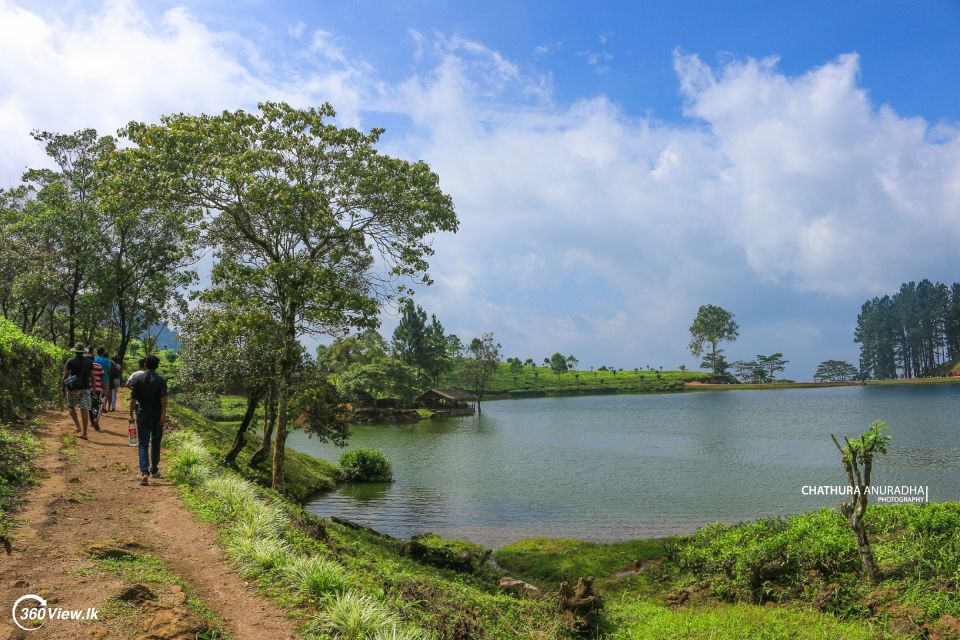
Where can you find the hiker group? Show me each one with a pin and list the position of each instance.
(90, 386)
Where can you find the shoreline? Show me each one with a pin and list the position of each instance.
(706, 386)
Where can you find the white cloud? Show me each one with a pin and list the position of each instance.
(584, 229)
(297, 30)
(827, 188)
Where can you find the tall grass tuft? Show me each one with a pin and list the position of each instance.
(315, 576)
(256, 556)
(353, 616)
(191, 462)
(236, 498)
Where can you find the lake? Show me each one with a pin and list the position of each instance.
(609, 468)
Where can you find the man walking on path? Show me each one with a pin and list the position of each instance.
(148, 398)
(142, 364)
(116, 372)
(97, 380)
(76, 381)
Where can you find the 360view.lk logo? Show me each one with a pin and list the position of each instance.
(31, 611)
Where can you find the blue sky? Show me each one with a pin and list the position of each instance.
(614, 166)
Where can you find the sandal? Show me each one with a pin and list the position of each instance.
(144, 481)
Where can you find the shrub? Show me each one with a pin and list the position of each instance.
(366, 465)
(745, 560)
(17, 451)
(31, 369)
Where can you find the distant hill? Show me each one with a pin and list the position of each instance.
(542, 381)
(166, 336)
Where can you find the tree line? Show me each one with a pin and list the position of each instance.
(911, 333)
(86, 253)
(420, 354)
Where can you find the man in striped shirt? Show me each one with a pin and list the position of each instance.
(97, 386)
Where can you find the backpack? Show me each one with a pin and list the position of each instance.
(76, 381)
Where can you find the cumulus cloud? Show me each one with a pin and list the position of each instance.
(584, 229)
(826, 187)
(105, 68)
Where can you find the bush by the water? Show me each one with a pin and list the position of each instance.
(366, 465)
(31, 369)
(812, 557)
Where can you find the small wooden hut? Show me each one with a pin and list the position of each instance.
(444, 399)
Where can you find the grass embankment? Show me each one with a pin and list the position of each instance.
(766, 386)
(697, 386)
(938, 380)
(541, 381)
(304, 475)
(340, 582)
(551, 560)
(797, 577)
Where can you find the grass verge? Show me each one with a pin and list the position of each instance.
(548, 561)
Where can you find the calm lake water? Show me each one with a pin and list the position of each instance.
(616, 467)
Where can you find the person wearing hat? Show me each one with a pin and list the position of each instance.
(76, 380)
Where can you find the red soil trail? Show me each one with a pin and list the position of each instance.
(91, 493)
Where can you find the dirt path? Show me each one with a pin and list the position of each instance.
(91, 494)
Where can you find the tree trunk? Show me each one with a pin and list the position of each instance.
(241, 438)
(854, 511)
(269, 420)
(72, 311)
(856, 508)
(283, 396)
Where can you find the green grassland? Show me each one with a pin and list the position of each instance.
(547, 561)
(818, 385)
(935, 380)
(795, 577)
(539, 381)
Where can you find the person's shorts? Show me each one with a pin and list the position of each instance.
(79, 397)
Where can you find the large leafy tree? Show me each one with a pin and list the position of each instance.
(558, 363)
(29, 282)
(309, 221)
(712, 326)
(147, 245)
(833, 370)
(772, 365)
(63, 215)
